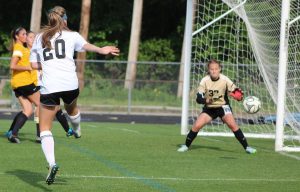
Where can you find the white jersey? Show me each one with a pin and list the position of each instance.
(58, 66)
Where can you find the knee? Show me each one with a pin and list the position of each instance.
(28, 111)
(233, 127)
(196, 128)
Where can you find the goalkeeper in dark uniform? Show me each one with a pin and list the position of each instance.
(213, 93)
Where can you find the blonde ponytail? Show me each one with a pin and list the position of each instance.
(56, 24)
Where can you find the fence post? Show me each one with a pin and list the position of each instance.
(129, 99)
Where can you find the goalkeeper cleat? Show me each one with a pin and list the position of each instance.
(70, 132)
(183, 148)
(250, 150)
(14, 139)
(51, 174)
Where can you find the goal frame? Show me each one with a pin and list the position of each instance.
(283, 59)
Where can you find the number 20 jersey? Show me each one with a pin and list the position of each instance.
(58, 66)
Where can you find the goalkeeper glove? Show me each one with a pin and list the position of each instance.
(200, 98)
(237, 94)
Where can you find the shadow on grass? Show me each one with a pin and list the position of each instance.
(34, 179)
(197, 147)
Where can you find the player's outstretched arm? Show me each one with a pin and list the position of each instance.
(102, 50)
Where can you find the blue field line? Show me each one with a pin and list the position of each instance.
(117, 167)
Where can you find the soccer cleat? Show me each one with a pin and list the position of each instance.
(14, 139)
(51, 174)
(70, 132)
(38, 139)
(183, 148)
(8, 134)
(77, 133)
(250, 150)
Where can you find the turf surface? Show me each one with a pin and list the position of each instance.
(143, 157)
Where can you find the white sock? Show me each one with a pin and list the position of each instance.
(48, 147)
(75, 121)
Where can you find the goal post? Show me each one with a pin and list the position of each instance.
(258, 44)
(286, 24)
(283, 58)
(187, 65)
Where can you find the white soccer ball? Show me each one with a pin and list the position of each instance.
(252, 104)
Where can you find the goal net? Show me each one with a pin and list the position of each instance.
(244, 35)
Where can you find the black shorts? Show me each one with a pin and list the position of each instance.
(53, 99)
(218, 111)
(26, 90)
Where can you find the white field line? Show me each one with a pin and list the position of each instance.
(212, 139)
(171, 178)
(126, 130)
(182, 179)
(290, 155)
(265, 150)
(89, 125)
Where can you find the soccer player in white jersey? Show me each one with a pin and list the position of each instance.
(36, 76)
(53, 51)
(213, 94)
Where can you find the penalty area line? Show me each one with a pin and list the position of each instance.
(178, 179)
(164, 178)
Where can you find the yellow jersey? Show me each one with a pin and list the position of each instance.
(21, 78)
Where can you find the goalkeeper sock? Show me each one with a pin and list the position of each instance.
(241, 138)
(60, 116)
(190, 137)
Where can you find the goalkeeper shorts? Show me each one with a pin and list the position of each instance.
(217, 111)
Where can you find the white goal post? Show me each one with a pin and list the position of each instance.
(258, 44)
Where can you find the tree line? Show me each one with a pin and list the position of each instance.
(161, 34)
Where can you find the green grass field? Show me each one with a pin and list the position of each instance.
(142, 157)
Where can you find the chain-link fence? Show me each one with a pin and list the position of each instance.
(155, 87)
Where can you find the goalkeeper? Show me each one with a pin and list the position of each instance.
(213, 93)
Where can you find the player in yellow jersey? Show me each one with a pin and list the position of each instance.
(213, 92)
(21, 81)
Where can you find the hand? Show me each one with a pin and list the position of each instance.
(237, 94)
(208, 101)
(110, 50)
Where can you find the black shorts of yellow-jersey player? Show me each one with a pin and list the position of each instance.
(26, 90)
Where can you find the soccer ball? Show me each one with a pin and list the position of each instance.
(252, 104)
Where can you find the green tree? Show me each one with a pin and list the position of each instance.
(156, 50)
